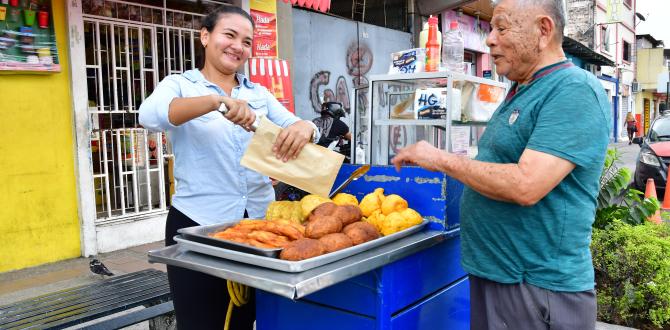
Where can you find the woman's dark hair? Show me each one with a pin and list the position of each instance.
(208, 22)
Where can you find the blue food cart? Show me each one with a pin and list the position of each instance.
(414, 282)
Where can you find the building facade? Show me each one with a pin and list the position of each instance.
(650, 63)
(608, 27)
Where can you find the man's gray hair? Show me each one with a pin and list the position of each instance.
(553, 8)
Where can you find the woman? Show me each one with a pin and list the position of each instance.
(630, 127)
(212, 186)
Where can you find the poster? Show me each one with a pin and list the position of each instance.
(27, 37)
(274, 75)
(264, 13)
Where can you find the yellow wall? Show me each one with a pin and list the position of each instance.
(649, 65)
(38, 202)
(639, 105)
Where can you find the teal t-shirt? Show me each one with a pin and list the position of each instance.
(563, 111)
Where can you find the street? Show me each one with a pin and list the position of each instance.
(628, 154)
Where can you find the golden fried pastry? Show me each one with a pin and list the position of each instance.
(295, 225)
(393, 203)
(361, 232)
(336, 241)
(269, 238)
(272, 226)
(322, 225)
(302, 249)
(259, 244)
(323, 209)
(309, 202)
(345, 199)
(232, 232)
(348, 214)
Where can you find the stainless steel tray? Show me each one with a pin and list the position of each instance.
(293, 266)
(201, 234)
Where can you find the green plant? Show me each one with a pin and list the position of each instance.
(632, 271)
(618, 202)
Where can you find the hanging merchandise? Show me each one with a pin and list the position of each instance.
(27, 38)
(432, 46)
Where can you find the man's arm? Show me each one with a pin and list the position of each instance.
(525, 183)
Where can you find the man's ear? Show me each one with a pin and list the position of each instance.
(547, 29)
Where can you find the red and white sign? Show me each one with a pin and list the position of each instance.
(274, 74)
(265, 34)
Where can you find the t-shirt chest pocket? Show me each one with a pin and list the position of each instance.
(258, 106)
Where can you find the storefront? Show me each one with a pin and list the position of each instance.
(39, 218)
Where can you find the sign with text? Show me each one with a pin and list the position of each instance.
(264, 13)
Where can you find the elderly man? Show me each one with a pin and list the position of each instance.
(530, 195)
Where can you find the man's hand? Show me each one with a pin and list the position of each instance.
(238, 112)
(422, 154)
(292, 139)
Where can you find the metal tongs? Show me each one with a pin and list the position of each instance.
(223, 109)
(359, 172)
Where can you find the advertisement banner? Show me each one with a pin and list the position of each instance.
(274, 75)
(264, 13)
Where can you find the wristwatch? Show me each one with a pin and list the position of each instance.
(315, 133)
(223, 109)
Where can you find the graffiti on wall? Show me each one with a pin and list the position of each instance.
(359, 62)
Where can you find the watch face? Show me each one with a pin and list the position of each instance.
(223, 109)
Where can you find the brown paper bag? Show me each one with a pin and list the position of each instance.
(313, 171)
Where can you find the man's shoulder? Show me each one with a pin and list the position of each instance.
(577, 75)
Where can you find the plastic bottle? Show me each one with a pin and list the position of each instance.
(432, 46)
(423, 36)
(452, 52)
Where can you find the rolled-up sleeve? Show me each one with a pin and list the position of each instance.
(154, 110)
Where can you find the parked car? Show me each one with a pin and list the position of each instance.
(654, 156)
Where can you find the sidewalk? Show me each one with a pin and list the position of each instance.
(36, 281)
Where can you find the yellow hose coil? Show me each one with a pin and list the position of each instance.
(239, 295)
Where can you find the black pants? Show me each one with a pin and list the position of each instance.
(201, 300)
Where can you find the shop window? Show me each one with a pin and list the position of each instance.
(129, 48)
(627, 51)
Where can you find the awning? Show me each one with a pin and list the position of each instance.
(320, 5)
(587, 54)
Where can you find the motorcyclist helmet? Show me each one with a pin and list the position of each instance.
(333, 109)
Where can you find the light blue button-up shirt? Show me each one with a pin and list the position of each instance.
(211, 185)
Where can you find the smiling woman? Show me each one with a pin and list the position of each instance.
(212, 185)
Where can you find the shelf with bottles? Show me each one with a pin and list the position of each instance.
(445, 108)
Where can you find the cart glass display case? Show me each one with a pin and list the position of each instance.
(448, 110)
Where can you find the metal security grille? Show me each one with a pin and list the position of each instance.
(130, 47)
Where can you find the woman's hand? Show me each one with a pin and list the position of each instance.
(292, 139)
(238, 111)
